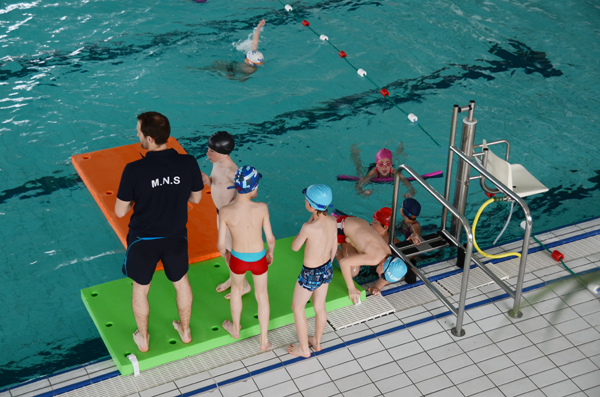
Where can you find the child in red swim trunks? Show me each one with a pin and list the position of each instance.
(246, 221)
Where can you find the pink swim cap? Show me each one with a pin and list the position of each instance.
(383, 154)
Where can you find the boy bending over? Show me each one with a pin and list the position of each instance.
(319, 236)
(246, 221)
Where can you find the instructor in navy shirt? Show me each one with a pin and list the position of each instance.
(158, 188)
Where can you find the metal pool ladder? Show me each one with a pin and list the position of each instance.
(452, 238)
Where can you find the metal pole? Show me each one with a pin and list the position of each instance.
(528, 225)
(464, 170)
(455, 111)
(516, 312)
(457, 331)
(392, 229)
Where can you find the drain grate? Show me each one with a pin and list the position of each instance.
(372, 307)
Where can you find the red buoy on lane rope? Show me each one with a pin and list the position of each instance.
(557, 256)
(305, 23)
(342, 54)
(384, 92)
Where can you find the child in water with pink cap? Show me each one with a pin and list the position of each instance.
(383, 169)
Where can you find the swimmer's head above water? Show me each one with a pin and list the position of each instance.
(254, 58)
(410, 209)
(383, 159)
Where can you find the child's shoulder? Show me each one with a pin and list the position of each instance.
(260, 205)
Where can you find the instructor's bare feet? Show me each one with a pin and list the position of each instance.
(296, 350)
(224, 286)
(229, 327)
(246, 289)
(186, 336)
(140, 342)
(315, 345)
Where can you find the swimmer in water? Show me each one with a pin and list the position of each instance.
(242, 70)
(383, 169)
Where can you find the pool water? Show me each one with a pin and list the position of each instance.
(74, 74)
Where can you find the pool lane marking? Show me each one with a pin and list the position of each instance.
(385, 93)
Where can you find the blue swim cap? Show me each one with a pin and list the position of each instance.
(319, 196)
(394, 269)
(246, 179)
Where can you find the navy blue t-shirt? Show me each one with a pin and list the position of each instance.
(160, 185)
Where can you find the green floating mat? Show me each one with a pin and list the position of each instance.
(109, 306)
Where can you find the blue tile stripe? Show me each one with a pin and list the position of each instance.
(484, 301)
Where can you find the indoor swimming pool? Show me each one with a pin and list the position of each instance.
(75, 73)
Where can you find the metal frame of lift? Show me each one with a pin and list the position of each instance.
(444, 237)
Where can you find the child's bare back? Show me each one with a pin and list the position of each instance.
(320, 240)
(245, 220)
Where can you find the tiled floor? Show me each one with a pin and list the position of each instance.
(553, 350)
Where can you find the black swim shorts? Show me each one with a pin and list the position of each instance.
(143, 255)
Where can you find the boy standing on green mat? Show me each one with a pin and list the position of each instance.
(246, 220)
(319, 237)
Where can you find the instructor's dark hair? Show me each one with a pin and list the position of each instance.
(155, 125)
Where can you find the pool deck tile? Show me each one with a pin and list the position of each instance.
(552, 350)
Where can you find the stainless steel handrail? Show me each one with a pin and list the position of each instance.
(457, 331)
(484, 155)
(515, 312)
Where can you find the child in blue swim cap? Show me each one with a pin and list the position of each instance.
(319, 237)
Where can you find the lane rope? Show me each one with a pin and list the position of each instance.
(361, 72)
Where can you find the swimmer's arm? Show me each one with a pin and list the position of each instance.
(207, 180)
(222, 237)
(231, 178)
(195, 197)
(415, 237)
(122, 207)
(376, 290)
(269, 236)
(364, 180)
(334, 249)
(411, 190)
(257, 35)
(300, 239)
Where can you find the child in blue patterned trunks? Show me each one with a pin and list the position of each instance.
(319, 237)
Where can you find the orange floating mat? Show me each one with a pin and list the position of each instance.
(101, 172)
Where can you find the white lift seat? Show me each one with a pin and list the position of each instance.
(514, 176)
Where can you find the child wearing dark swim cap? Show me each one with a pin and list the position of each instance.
(410, 226)
(220, 145)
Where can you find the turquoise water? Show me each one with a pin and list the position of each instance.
(74, 74)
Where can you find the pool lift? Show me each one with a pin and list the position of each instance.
(512, 180)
